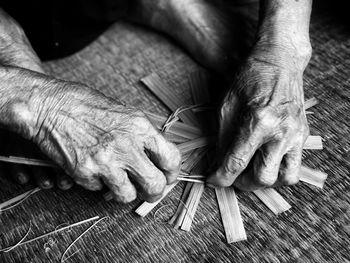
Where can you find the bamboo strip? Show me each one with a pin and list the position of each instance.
(230, 214)
(200, 93)
(147, 207)
(180, 208)
(184, 208)
(191, 162)
(197, 159)
(190, 180)
(18, 198)
(27, 161)
(174, 138)
(313, 142)
(79, 237)
(273, 200)
(226, 197)
(199, 87)
(193, 176)
(21, 240)
(52, 232)
(178, 128)
(312, 176)
(194, 158)
(194, 144)
(194, 198)
(109, 195)
(170, 99)
(310, 103)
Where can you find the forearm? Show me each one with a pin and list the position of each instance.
(23, 90)
(23, 93)
(284, 29)
(15, 49)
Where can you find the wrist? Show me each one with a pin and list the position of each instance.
(284, 29)
(295, 57)
(27, 100)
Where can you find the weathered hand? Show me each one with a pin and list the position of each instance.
(95, 139)
(262, 126)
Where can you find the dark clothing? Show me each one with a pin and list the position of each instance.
(58, 28)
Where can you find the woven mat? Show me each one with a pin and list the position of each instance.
(316, 229)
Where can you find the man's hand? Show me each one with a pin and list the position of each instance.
(263, 122)
(95, 139)
(92, 137)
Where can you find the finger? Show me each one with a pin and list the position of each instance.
(19, 173)
(151, 180)
(43, 177)
(237, 158)
(16, 146)
(264, 168)
(290, 167)
(165, 155)
(92, 183)
(228, 119)
(63, 181)
(120, 185)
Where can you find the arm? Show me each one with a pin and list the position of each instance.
(284, 31)
(263, 114)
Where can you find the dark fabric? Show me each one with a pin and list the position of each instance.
(58, 28)
(316, 229)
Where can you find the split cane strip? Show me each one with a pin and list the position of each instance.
(273, 200)
(313, 142)
(230, 214)
(170, 99)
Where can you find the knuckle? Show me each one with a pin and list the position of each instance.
(156, 187)
(265, 180)
(266, 119)
(291, 179)
(174, 160)
(139, 116)
(141, 124)
(89, 185)
(125, 198)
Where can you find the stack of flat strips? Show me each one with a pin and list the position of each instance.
(194, 148)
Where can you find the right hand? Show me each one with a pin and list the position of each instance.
(96, 139)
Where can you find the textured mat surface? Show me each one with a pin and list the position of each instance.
(316, 229)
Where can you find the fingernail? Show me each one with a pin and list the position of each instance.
(46, 184)
(65, 184)
(22, 178)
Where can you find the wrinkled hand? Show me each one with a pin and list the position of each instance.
(262, 126)
(97, 140)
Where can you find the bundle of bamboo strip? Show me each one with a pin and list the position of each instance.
(195, 138)
(227, 200)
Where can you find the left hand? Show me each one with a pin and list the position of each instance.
(263, 125)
